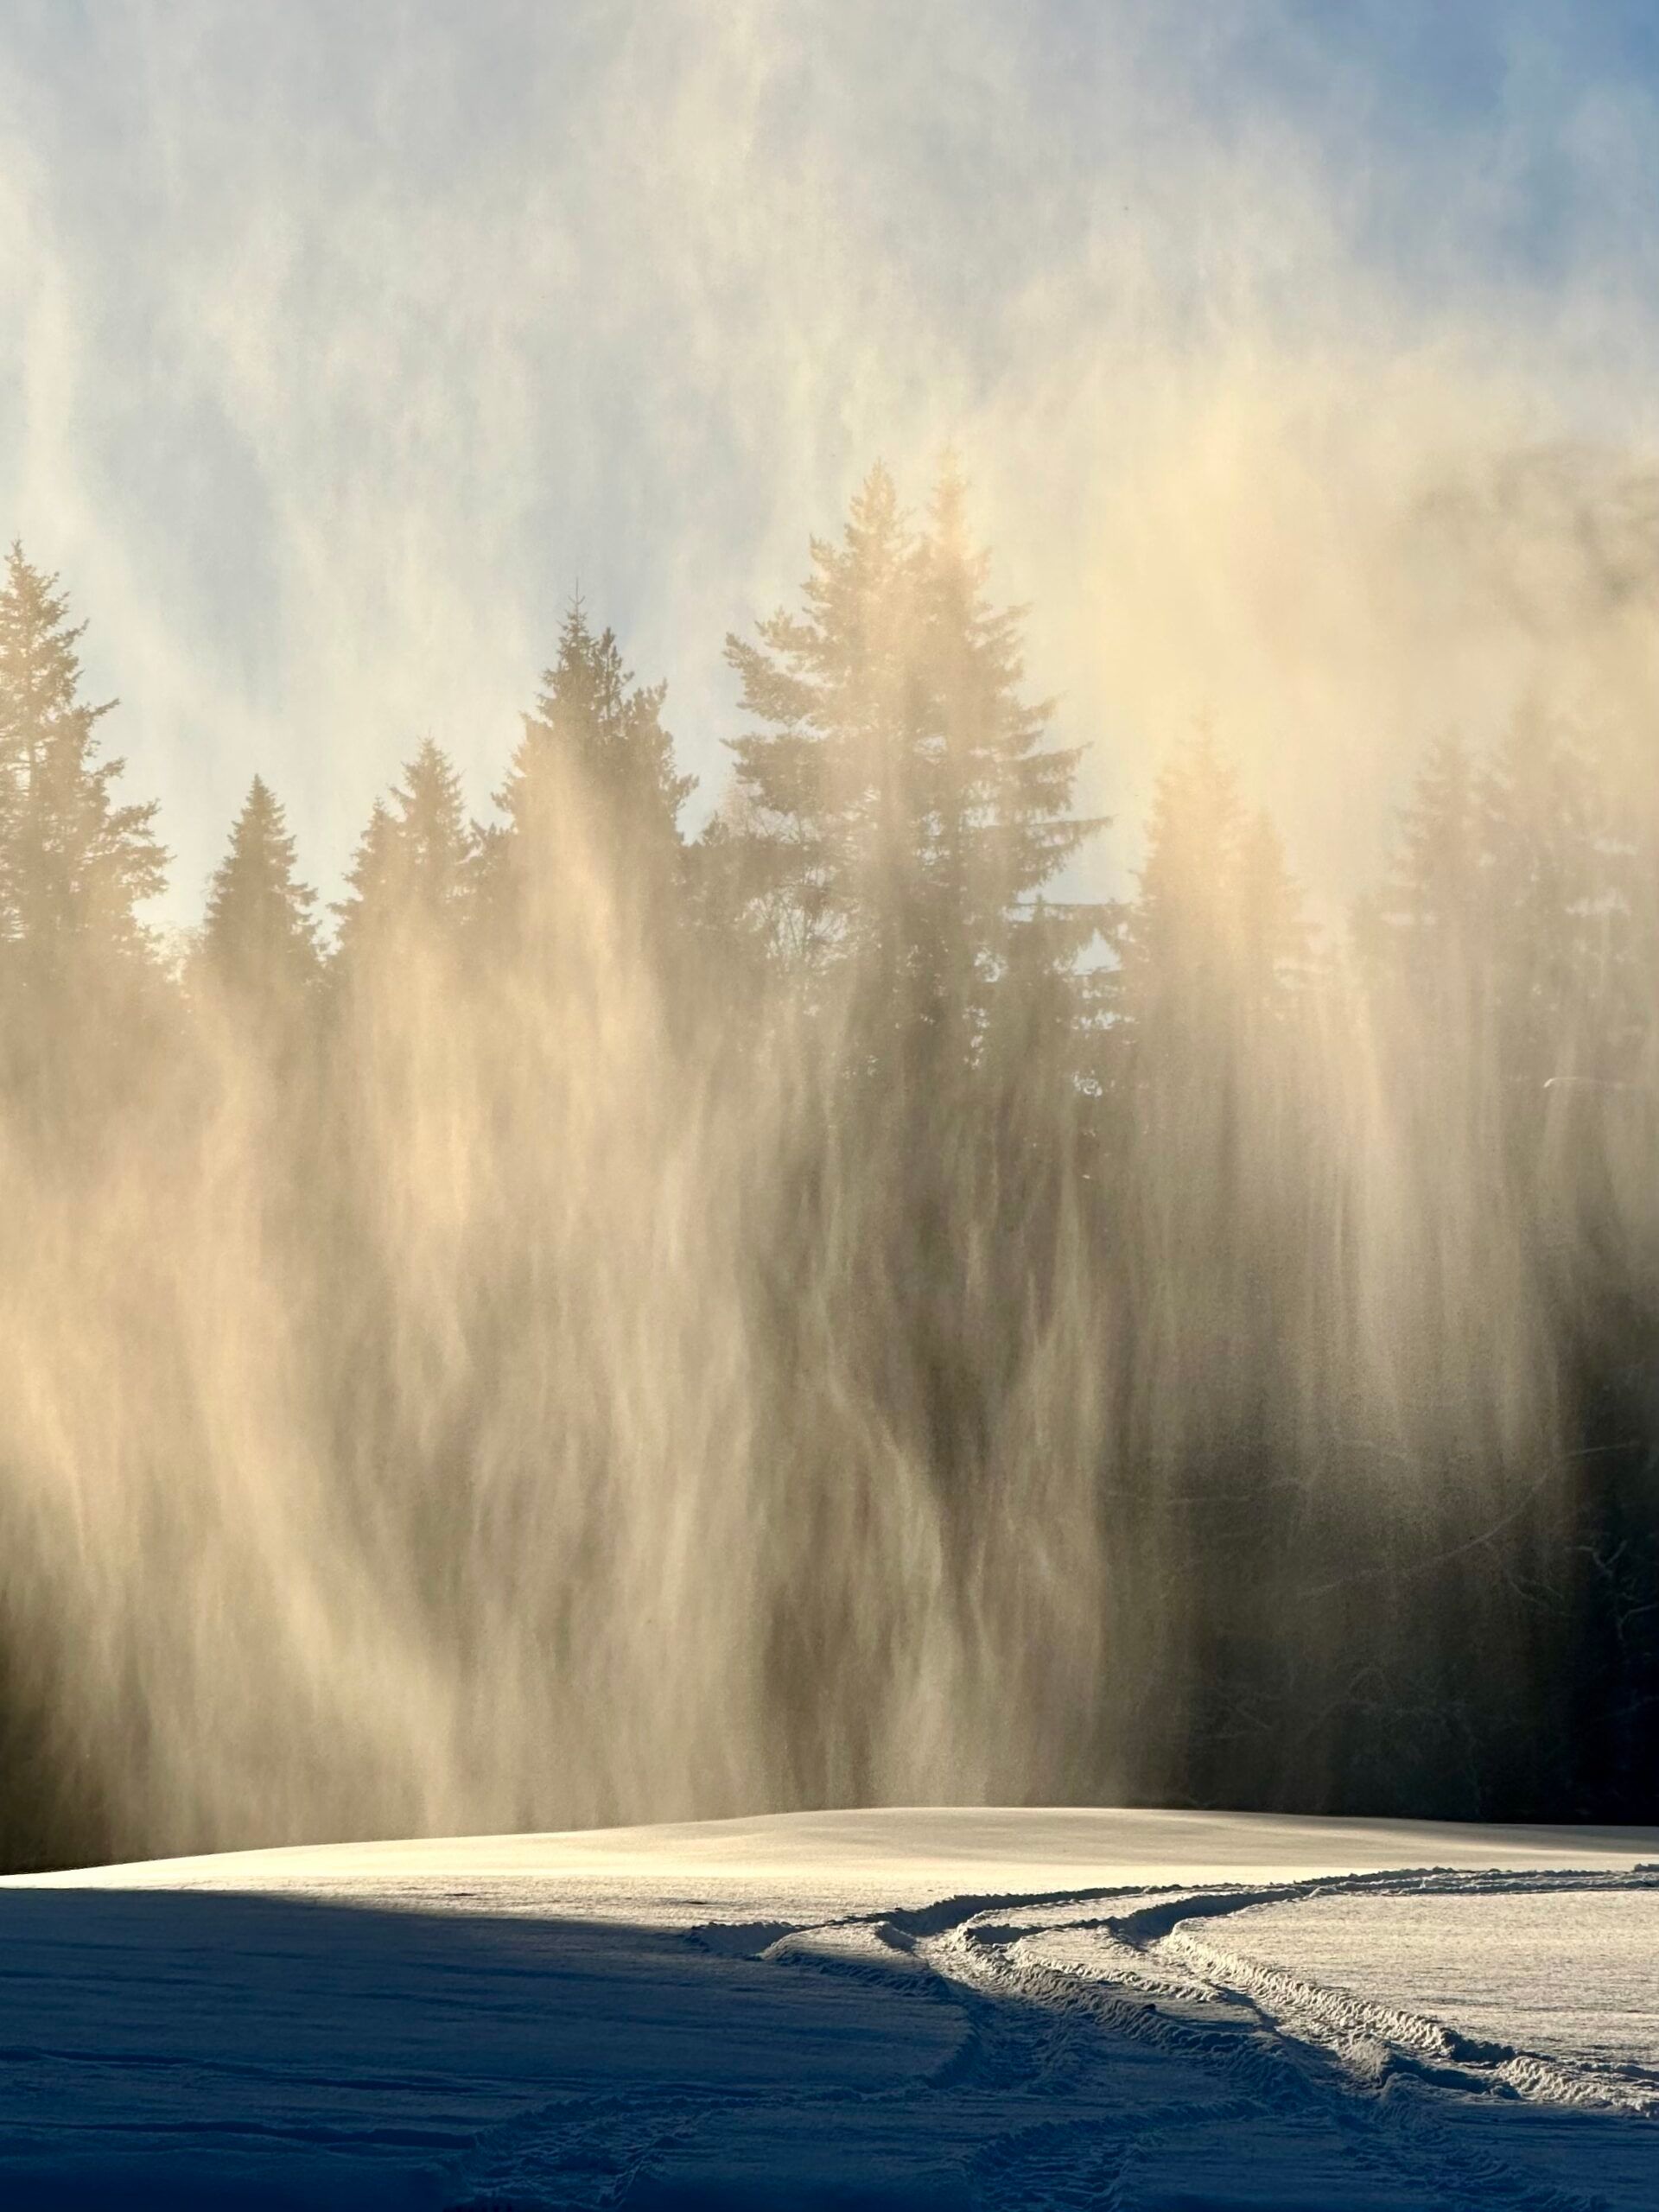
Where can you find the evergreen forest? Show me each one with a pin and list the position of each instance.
(664, 1303)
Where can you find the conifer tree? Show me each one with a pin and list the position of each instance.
(1506, 917)
(1557, 905)
(435, 844)
(1215, 943)
(901, 807)
(592, 792)
(416, 867)
(1275, 941)
(74, 865)
(259, 942)
(1425, 925)
(835, 783)
(365, 913)
(1004, 825)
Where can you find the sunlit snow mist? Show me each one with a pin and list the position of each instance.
(572, 1394)
(614, 1376)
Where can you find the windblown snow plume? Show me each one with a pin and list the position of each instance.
(845, 1287)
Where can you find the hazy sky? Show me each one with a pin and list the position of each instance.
(340, 341)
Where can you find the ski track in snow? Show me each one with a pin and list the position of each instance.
(1123, 2046)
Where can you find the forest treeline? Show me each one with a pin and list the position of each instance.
(607, 1322)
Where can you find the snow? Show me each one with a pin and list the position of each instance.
(1570, 1973)
(928, 2007)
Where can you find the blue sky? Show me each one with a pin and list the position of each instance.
(337, 344)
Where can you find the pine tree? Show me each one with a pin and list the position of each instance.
(1557, 905)
(833, 786)
(592, 800)
(75, 866)
(1215, 943)
(416, 865)
(1004, 826)
(1507, 915)
(366, 913)
(1274, 939)
(901, 806)
(436, 845)
(259, 942)
(1427, 926)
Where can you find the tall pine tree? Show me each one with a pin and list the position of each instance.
(1215, 944)
(833, 782)
(1425, 928)
(1557, 907)
(1003, 825)
(259, 942)
(415, 873)
(900, 805)
(592, 803)
(74, 865)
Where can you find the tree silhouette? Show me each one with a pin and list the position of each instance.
(835, 782)
(1216, 942)
(1558, 886)
(1424, 926)
(592, 802)
(590, 713)
(1004, 823)
(74, 865)
(900, 807)
(415, 873)
(259, 941)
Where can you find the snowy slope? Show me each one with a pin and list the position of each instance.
(1142, 2010)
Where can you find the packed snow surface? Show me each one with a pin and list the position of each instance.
(1155, 2012)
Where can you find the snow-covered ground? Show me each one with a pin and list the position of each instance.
(1155, 2011)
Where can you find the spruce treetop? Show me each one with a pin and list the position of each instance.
(417, 863)
(900, 797)
(74, 865)
(259, 942)
(591, 720)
